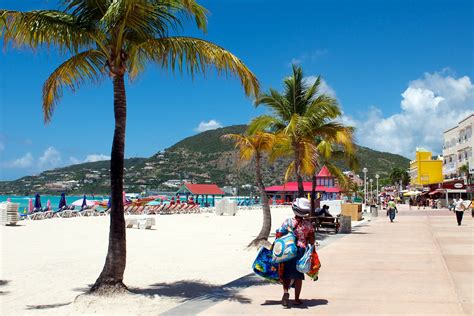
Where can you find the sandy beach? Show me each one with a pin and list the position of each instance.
(46, 264)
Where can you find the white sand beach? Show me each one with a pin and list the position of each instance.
(46, 264)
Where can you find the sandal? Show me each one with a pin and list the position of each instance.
(285, 299)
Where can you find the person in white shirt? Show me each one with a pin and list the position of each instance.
(459, 209)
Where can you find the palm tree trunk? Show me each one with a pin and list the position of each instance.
(112, 274)
(313, 196)
(267, 216)
(299, 178)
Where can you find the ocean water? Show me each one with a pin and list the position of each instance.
(23, 200)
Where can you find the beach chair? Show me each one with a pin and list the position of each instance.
(9, 213)
(87, 211)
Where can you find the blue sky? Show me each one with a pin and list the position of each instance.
(401, 70)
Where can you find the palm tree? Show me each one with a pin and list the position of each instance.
(118, 38)
(399, 174)
(303, 115)
(250, 147)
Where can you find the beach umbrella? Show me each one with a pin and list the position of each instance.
(30, 204)
(48, 204)
(37, 201)
(62, 201)
(80, 202)
(84, 202)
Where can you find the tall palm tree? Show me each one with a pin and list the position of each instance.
(301, 113)
(399, 174)
(255, 147)
(118, 38)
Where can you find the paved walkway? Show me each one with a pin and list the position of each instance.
(423, 263)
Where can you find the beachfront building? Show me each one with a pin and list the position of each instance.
(203, 194)
(425, 169)
(326, 188)
(457, 148)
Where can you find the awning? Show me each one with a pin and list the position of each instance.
(440, 191)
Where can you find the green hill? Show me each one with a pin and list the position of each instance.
(199, 158)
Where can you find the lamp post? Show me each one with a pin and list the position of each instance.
(364, 170)
(377, 196)
(371, 192)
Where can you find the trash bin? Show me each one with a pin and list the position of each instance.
(373, 210)
(346, 225)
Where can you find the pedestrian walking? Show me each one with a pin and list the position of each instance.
(392, 209)
(459, 209)
(304, 232)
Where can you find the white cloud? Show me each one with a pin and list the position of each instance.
(308, 57)
(324, 87)
(429, 106)
(207, 126)
(96, 157)
(74, 160)
(51, 158)
(24, 162)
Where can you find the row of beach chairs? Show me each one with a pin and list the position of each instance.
(71, 211)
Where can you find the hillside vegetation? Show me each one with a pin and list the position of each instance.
(200, 158)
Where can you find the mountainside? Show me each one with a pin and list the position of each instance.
(200, 158)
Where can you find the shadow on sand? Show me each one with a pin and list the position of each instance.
(199, 290)
(47, 306)
(4, 283)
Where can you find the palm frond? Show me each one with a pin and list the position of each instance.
(290, 171)
(264, 123)
(193, 55)
(72, 74)
(44, 28)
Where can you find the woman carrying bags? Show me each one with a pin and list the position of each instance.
(303, 230)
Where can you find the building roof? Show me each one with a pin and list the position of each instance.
(201, 189)
(324, 172)
(293, 187)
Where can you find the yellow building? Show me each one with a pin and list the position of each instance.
(424, 169)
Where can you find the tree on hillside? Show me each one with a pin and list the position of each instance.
(303, 115)
(255, 147)
(118, 39)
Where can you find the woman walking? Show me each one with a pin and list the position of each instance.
(459, 209)
(392, 208)
(304, 232)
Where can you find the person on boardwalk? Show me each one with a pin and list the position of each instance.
(392, 209)
(459, 209)
(304, 232)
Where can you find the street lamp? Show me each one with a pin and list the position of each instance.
(371, 192)
(365, 184)
(377, 177)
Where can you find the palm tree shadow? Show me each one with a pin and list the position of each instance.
(4, 283)
(198, 290)
(46, 306)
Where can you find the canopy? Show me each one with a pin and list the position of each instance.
(411, 193)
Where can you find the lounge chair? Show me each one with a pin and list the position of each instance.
(9, 213)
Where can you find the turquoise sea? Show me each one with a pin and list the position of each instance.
(23, 200)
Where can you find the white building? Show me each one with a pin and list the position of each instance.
(457, 147)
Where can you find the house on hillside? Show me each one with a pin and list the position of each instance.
(326, 188)
(203, 194)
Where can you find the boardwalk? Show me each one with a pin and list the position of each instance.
(420, 264)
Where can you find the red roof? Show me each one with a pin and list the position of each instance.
(324, 172)
(206, 189)
(293, 187)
